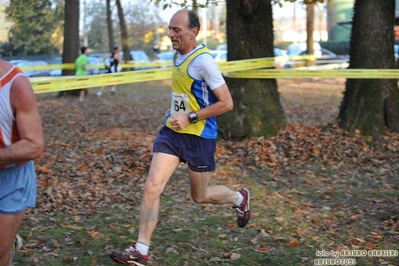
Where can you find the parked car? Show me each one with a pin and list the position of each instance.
(34, 72)
(280, 57)
(98, 55)
(140, 56)
(17, 61)
(279, 52)
(295, 49)
(167, 57)
(326, 57)
(55, 61)
(222, 47)
(219, 55)
(94, 61)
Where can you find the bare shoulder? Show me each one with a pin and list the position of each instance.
(4, 67)
(22, 94)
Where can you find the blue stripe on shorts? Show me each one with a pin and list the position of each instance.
(17, 188)
(199, 153)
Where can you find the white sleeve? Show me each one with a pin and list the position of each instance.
(204, 67)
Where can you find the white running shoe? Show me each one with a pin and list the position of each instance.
(15, 247)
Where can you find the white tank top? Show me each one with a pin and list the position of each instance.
(8, 128)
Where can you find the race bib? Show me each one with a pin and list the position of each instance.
(180, 104)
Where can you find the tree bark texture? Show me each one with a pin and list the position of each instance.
(257, 107)
(309, 33)
(124, 35)
(371, 105)
(331, 20)
(110, 27)
(71, 48)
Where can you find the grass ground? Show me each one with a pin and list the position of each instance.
(327, 192)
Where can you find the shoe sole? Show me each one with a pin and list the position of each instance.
(138, 264)
(127, 263)
(248, 206)
(248, 199)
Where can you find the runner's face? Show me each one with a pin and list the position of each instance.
(182, 37)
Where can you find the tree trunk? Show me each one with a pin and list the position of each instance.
(110, 27)
(309, 33)
(331, 20)
(371, 105)
(71, 34)
(71, 38)
(257, 107)
(124, 36)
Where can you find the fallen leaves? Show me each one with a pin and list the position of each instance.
(298, 145)
(97, 157)
(292, 243)
(264, 249)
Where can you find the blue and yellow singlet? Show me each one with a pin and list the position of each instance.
(191, 95)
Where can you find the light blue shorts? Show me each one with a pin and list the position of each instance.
(17, 188)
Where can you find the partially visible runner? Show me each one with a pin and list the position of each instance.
(155, 52)
(21, 141)
(114, 59)
(81, 69)
(199, 95)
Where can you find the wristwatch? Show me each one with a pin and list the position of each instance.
(193, 117)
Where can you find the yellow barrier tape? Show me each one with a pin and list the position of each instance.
(71, 66)
(230, 66)
(47, 85)
(45, 67)
(240, 65)
(332, 73)
(264, 63)
(252, 68)
(41, 85)
(225, 66)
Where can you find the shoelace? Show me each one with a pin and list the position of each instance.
(240, 213)
(129, 250)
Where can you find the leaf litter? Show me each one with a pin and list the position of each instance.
(321, 183)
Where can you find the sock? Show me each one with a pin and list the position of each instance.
(142, 248)
(239, 200)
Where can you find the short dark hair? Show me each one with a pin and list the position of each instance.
(193, 20)
(116, 48)
(83, 49)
